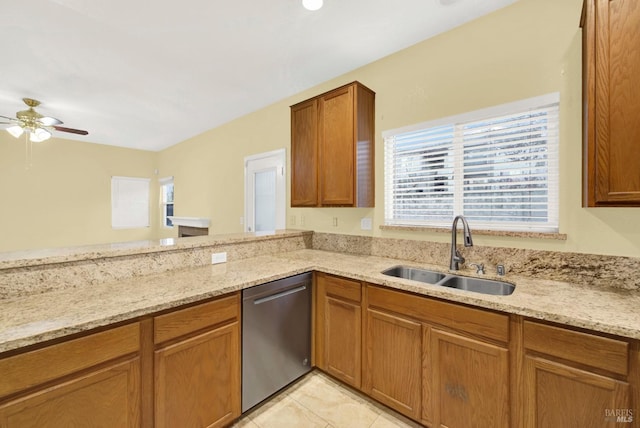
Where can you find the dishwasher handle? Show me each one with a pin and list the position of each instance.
(279, 295)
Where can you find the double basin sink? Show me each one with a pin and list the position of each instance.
(478, 285)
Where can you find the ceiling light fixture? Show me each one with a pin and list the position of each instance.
(312, 4)
(15, 130)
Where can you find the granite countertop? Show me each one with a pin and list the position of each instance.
(37, 318)
(46, 256)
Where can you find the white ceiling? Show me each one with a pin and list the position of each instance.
(148, 74)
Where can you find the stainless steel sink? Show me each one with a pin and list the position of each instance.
(478, 285)
(416, 274)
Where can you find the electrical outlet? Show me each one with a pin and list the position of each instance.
(292, 220)
(218, 258)
(301, 220)
(335, 222)
(365, 223)
(241, 220)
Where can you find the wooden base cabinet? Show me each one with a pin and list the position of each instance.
(470, 379)
(574, 378)
(339, 328)
(197, 365)
(92, 381)
(559, 395)
(178, 369)
(108, 397)
(443, 364)
(393, 361)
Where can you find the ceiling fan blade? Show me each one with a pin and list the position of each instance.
(49, 121)
(71, 130)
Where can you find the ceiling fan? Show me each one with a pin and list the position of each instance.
(37, 126)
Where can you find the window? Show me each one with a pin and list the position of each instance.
(497, 166)
(166, 200)
(129, 202)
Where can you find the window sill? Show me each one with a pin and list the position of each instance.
(509, 233)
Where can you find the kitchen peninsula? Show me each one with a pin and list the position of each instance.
(557, 327)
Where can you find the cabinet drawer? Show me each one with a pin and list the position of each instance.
(341, 287)
(33, 368)
(185, 321)
(595, 351)
(480, 322)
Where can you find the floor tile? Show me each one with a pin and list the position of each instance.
(388, 420)
(337, 405)
(286, 413)
(317, 400)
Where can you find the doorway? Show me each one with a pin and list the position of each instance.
(265, 191)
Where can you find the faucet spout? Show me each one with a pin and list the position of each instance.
(456, 258)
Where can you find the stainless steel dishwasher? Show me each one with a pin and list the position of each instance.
(276, 336)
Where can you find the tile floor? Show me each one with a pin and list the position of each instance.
(318, 401)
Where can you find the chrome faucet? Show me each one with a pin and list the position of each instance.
(468, 242)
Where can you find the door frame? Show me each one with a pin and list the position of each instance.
(280, 156)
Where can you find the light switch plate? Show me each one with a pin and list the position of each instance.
(218, 258)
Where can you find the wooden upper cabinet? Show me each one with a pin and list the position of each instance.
(304, 154)
(611, 106)
(332, 149)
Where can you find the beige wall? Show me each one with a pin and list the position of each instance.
(530, 48)
(64, 199)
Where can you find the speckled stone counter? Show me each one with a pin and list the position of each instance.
(41, 271)
(40, 317)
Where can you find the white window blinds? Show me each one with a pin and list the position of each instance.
(129, 202)
(497, 166)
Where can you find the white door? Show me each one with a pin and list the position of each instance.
(265, 191)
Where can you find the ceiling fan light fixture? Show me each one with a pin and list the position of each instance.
(15, 130)
(312, 4)
(39, 135)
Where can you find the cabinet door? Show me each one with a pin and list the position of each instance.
(611, 63)
(109, 397)
(339, 328)
(342, 348)
(393, 361)
(198, 380)
(304, 154)
(470, 382)
(557, 395)
(337, 147)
